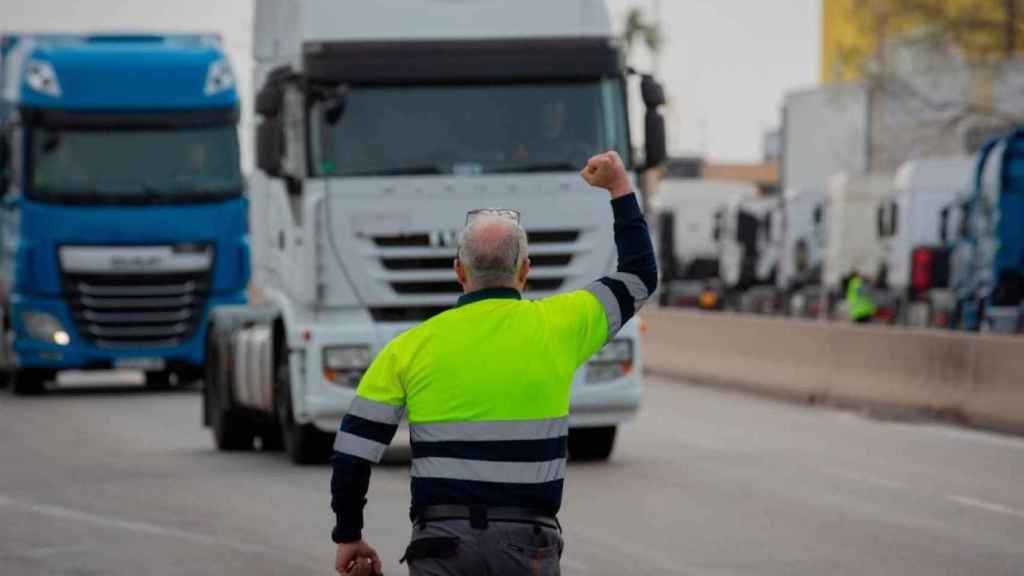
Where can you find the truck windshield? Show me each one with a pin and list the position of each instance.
(187, 164)
(469, 129)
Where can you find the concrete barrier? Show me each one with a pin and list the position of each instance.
(978, 379)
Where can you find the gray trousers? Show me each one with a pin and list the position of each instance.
(454, 548)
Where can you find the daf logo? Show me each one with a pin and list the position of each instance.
(444, 238)
(136, 262)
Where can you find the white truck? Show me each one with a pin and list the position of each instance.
(381, 124)
(853, 241)
(746, 230)
(801, 249)
(915, 226)
(684, 210)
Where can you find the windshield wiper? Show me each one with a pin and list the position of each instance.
(425, 169)
(540, 167)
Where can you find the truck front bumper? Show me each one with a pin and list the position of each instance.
(81, 353)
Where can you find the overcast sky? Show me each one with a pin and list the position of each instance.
(726, 63)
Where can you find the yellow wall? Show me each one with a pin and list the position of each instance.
(852, 29)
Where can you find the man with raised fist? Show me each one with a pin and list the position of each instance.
(486, 388)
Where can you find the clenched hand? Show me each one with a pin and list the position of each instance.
(607, 171)
(357, 559)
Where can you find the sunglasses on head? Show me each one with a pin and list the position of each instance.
(506, 213)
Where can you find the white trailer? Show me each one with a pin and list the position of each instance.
(381, 125)
(685, 211)
(915, 227)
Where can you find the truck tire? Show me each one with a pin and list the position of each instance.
(591, 444)
(158, 380)
(30, 381)
(232, 430)
(304, 443)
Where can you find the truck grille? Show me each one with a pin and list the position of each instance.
(419, 271)
(136, 310)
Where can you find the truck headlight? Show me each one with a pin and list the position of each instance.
(45, 327)
(41, 77)
(345, 365)
(613, 361)
(219, 78)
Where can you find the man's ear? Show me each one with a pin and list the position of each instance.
(524, 271)
(460, 272)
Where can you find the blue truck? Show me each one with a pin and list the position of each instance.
(122, 209)
(988, 259)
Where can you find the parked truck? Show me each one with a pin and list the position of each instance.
(122, 215)
(685, 210)
(989, 257)
(746, 231)
(914, 226)
(381, 125)
(800, 250)
(853, 242)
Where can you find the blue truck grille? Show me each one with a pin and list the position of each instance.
(136, 310)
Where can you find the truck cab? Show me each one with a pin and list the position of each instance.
(746, 231)
(989, 262)
(800, 250)
(684, 214)
(381, 125)
(914, 226)
(853, 243)
(121, 203)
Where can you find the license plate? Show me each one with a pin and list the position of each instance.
(143, 363)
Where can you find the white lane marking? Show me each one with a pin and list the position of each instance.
(141, 527)
(858, 477)
(984, 505)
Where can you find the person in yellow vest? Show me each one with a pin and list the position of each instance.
(859, 305)
(485, 387)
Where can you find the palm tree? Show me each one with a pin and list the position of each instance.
(638, 28)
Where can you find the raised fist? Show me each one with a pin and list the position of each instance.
(607, 171)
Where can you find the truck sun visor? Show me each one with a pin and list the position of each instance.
(490, 60)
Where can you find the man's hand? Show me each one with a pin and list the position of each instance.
(607, 171)
(357, 559)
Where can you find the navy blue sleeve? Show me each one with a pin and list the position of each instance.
(625, 291)
(350, 480)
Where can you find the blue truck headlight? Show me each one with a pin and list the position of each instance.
(345, 365)
(614, 360)
(219, 78)
(45, 327)
(41, 77)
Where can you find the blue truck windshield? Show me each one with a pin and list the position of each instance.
(171, 165)
(469, 129)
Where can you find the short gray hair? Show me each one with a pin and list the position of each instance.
(491, 249)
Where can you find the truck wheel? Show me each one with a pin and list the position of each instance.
(30, 381)
(304, 443)
(591, 444)
(158, 380)
(232, 431)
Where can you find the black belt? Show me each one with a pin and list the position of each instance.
(480, 516)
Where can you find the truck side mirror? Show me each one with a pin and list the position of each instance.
(655, 146)
(270, 147)
(270, 98)
(652, 92)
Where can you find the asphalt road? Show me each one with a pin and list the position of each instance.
(125, 482)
